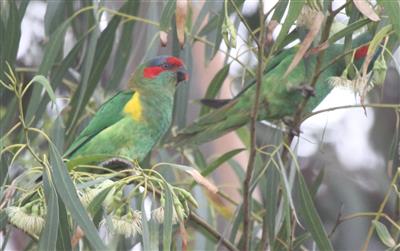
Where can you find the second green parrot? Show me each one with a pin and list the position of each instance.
(279, 97)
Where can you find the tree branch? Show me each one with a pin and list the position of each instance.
(247, 233)
(199, 221)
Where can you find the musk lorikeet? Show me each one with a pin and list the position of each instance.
(130, 123)
(279, 98)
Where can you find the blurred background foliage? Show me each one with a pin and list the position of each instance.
(335, 188)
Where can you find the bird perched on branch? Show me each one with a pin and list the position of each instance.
(280, 95)
(130, 123)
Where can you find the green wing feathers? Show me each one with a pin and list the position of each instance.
(107, 115)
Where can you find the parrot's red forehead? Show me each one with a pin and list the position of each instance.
(160, 64)
(174, 61)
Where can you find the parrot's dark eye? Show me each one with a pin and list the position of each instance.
(166, 66)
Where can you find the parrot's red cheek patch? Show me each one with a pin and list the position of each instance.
(152, 71)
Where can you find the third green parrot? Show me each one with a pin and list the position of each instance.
(130, 123)
(279, 96)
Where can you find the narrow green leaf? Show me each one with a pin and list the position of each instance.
(66, 190)
(204, 11)
(300, 240)
(209, 27)
(220, 160)
(317, 183)
(392, 9)
(95, 62)
(124, 49)
(168, 213)
(64, 234)
(77, 102)
(199, 159)
(384, 234)
(280, 10)
(48, 237)
(145, 229)
(237, 168)
(51, 51)
(218, 37)
(45, 83)
(348, 30)
(59, 73)
(293, 12)
(238, 219)
(11, 40)
(215, 86)
(270, 198)
(154, 235)
(54, 16)
(310, 217)
(96, 204)
(244, 136)
(167, 14)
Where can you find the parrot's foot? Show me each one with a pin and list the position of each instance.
(306, 90)
(292, 129)
(117, 163)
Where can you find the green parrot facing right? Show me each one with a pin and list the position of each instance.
(279, 96)
(130, 123)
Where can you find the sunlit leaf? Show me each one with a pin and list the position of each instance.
(310, 217)
(306, 43)
(293, 12)
(180, 14)
(48, 238)
(392, 9)
(384, 234)
(168, 213)
(215, 86)
(67, 192)
(366, 9)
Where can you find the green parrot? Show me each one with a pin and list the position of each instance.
(131, 122)
(279, 97)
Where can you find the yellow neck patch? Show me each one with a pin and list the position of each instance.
(134, 107)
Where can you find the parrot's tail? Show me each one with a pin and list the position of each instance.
(212, 125)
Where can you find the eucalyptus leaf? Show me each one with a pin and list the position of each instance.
(309, 216)
(384, 234)
(48, 238)
(66, 190)
(215, 86)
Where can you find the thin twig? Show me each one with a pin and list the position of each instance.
(247, 25)
(379, 213)
(247, 233)
(207, 227)
(383, 106)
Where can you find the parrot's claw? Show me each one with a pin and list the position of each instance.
(306, 90)
(289, 122)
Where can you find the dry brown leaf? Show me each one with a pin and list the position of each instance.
(8, 194)
(317, 49)
(184, 236)
(180, 13)
(366, 9)
(219, 205)
(78, 235)
(200, 179)
(269, 39)
(306, 43)
(163, 38)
